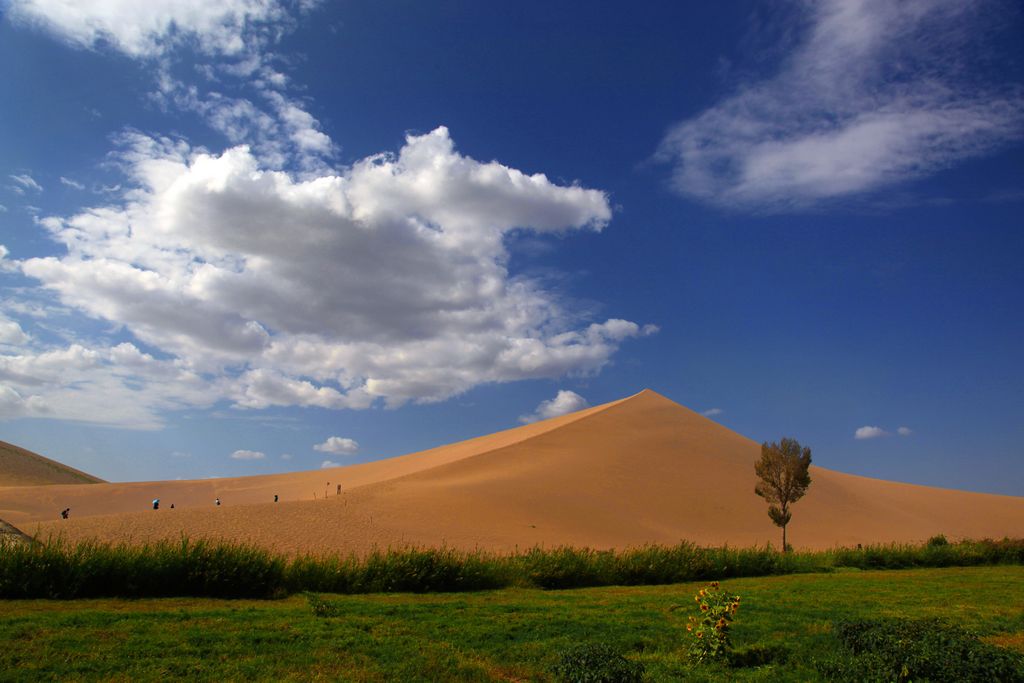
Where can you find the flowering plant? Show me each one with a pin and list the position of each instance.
(709, 629)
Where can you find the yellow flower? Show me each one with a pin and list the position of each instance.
(714, 584)
(701, 594)
(703, 608)
(689, 627)
(721, 623)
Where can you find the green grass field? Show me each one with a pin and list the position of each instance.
(503, 635)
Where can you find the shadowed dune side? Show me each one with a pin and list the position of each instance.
(22, 467)
(641, 470)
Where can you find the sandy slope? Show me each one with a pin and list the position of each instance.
(635, 471)
(21, 467)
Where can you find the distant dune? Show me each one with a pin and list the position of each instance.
(636, 471)
(21, 467)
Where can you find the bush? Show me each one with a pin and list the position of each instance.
(758, 655)
(596, 663)
(923, 649)
(322, 608)
(937, 541)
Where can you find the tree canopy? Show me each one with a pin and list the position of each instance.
(784, 478)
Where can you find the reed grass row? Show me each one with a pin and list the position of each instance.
(56, 569)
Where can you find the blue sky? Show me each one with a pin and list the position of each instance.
(249, 237)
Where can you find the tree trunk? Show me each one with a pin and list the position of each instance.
(784, 548)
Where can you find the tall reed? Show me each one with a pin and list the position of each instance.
(56, 569)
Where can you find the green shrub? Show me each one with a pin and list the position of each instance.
(758, 655)
(937, 541)
(922, 649)
(596, 663)
(322, 608)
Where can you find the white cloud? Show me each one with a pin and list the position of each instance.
(152, 28)
(904, 431)
(875, 93)
(563, 403)
(13, 404)
(248, 455)
(385, 281)
(338, 446)
(11, 332)
(286, 456)
(25, 182)
(869, 432)
(72, 183)
(329, 463)
(118, 385)
(711, 412)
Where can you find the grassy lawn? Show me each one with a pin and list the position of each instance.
(505, 635)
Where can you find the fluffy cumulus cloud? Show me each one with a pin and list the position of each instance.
(874, 93)
(248, 455)
(338, 446)
(385, 281)
(869, 432)
(563, 403)
(149, 29)
(329, 463)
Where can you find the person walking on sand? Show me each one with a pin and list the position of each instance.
(156, 503)
(275, 497)
(217, 502)
(339, 489)
(64, 513)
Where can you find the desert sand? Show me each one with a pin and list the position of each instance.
(632, 472)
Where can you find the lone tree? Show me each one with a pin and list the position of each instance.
(784, 479)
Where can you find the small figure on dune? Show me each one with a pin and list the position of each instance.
(275, 497)
(172, 506)
(64, 513)
(339, 489)
(156, 503)
(217, 502)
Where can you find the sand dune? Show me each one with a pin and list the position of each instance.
(21, 467)
(640, 470)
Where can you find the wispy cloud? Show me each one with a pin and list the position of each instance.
(248, 455)
(338, 445)
(72, 183)
(875, 93)
(150, 29)
(904, 431)
(711, 412)
(24, 182)
(564, 402)
(329, 463)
